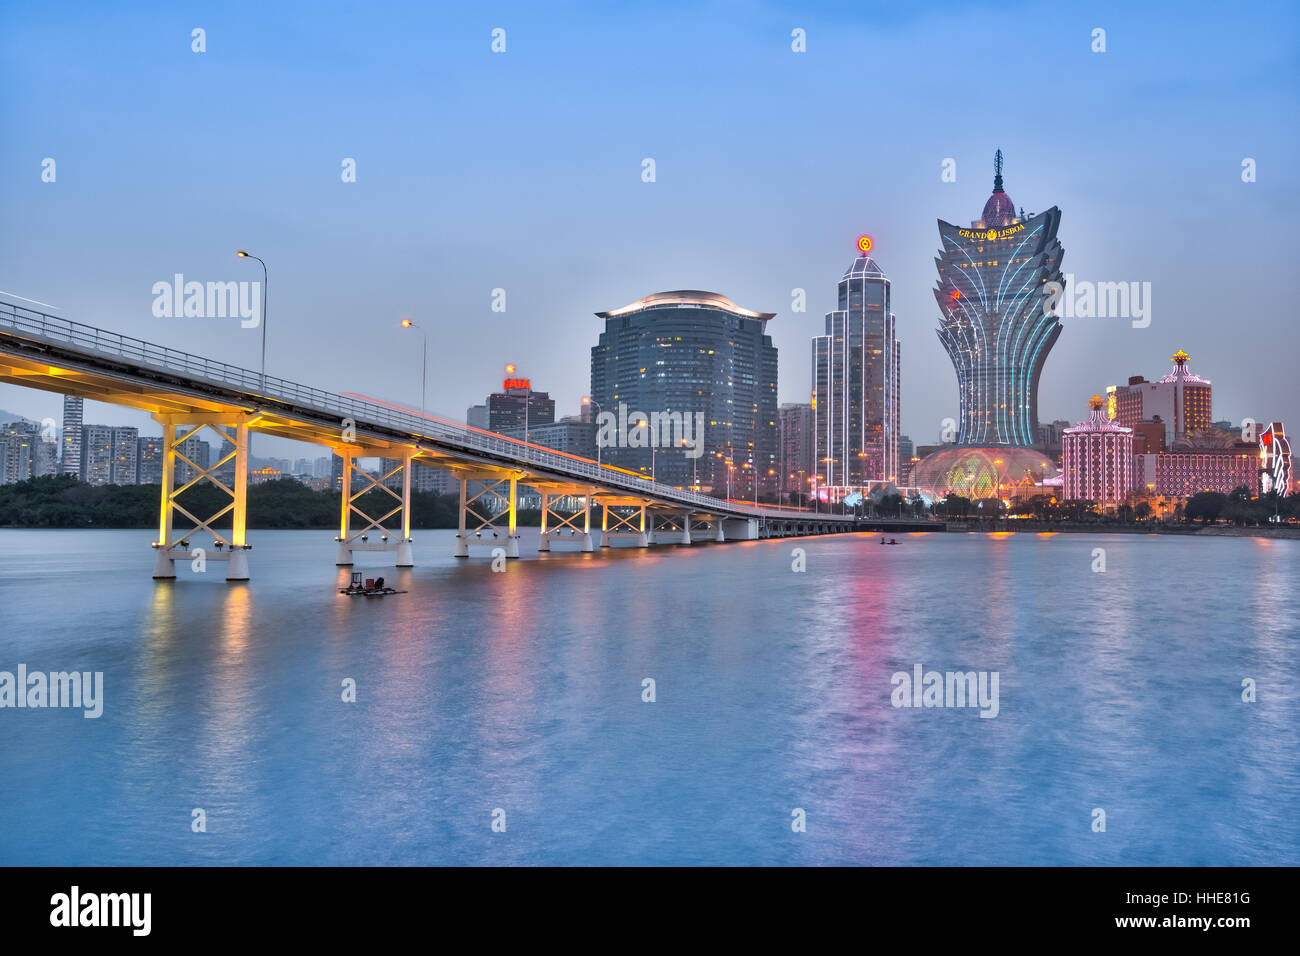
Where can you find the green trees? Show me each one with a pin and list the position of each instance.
(65, 502)
(1205, 506)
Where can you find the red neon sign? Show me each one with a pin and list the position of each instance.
(518, 383)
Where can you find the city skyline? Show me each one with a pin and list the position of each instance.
(524, 224)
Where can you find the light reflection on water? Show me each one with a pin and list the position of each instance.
(522, 690)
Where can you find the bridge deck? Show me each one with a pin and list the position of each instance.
(42, 351)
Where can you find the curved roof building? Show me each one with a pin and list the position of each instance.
(996, 325)
(980, 472)
(700, 355)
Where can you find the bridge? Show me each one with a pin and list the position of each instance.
(188, 393)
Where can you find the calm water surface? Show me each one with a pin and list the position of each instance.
(1119, 690)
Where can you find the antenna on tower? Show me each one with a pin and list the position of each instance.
(997, 171)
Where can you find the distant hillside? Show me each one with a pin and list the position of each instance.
(12, 417)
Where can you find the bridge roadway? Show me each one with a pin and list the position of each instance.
(186, 393)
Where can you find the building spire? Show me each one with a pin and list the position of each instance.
(997, 171)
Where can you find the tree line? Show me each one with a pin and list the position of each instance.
(64, 502)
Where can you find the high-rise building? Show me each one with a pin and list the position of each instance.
(856, 383)
(686, 353)
(18, 441)
(149, 460)
(1182, 400)
(196, 450)
(795, 427)
(73, 412)
(476, 416)
(1097, 458)
(123, 470)
(45, 457)
(995, 325)
(97, 454)
(517, 405)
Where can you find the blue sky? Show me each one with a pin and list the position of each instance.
(522, 171)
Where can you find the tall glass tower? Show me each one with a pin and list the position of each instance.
(693, 352)
(856, 383)
(997, 324)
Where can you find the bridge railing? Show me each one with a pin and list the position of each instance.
(28, 323)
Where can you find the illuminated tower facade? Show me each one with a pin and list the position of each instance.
(997, 322)
(856, 382)
(693, 352)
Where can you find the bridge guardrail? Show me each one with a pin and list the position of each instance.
(30, 323)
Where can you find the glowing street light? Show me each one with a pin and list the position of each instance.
(424, 359)
(244, 255)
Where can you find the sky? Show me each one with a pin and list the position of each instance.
(522, 170)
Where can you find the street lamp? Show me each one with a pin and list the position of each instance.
(588, 400)
(244, 255)
(695, 484)
(424, 359)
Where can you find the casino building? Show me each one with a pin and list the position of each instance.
(1097, 458)
(690, 351)
(997, 327)
(994, 324)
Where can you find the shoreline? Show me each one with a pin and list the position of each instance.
(1291, 532)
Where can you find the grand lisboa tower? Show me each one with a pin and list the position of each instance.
(997, 325)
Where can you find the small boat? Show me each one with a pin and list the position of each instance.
(372, 587)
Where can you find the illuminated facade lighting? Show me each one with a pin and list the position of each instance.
(1097, 458)
(856, 383)
(995, 326)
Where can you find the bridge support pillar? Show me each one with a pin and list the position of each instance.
(231, 550)
(484, 502)
(686, 528)
(556, 523)
(615, 524)
(396, 540)
(718, 534)
(741, 529)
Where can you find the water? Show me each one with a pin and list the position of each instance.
(522, 691)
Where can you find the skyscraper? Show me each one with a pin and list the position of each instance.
(73, 411)
(795, 425)
(997, 325)
(1182, 400)
(123, 470)
(149, 460)
(97, 454)
(856, 382)
(683, 353)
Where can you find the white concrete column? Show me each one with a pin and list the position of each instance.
(462, 544)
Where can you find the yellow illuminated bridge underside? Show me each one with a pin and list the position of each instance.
(68, 358)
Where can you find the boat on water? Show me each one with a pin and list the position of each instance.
(371, 587)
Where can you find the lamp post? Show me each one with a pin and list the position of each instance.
(588, 400)
(695, 485)
(424, 359)
(244, 255)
